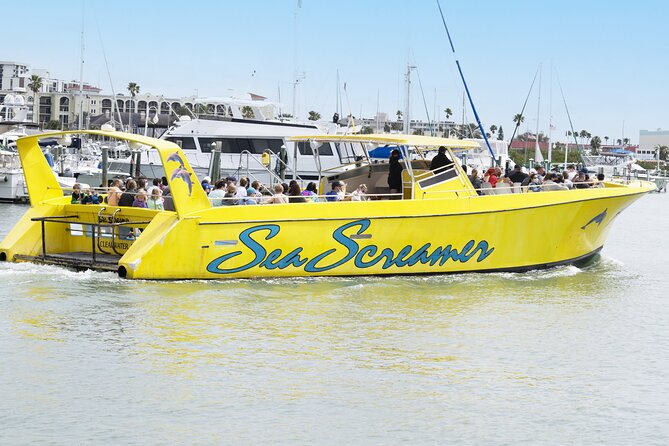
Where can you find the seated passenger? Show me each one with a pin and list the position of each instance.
(600, 180)
(475, 180)
(230, 197)
(91, 197)
(114, 193)
(551, 183)
(337, 192)
(491, 177)
(517, 176)
(581, 181)
(216, 195)
(503, 186)
(140, 199)
(155, 200)
(278, 197)
(128, 197)
(360, 194)
(566, 181)
(242, 191)
(77, 195)
(295, 193)
(311, 193)
(206, 184)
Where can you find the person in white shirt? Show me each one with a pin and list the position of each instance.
(360, 194)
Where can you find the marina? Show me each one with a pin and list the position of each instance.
(299, 222)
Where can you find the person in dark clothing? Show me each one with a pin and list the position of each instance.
(128, 196)
(517, 176)
(295, 193)
(440, 160)
(395, 172)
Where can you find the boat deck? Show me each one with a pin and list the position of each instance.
(77, 260)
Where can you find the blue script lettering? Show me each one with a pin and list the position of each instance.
(365, 257)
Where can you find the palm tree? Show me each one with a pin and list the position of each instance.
(582, 134)
(133, 88)
(399, 114)
(626, 141)
(619, 141)
(247, 112)
(35, 85)
(595, 144)
(314, 116)
(448, 112)
(493, 129)
(518, 119)
(663, 151)
(606, 138)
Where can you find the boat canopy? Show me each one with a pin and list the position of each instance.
(419, 141)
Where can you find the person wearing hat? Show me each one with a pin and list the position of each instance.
(337, 192)
(206, 184)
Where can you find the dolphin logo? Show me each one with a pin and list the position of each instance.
(176, 157)
(185, 176)
(599, 218)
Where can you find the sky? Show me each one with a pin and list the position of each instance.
(608, 57)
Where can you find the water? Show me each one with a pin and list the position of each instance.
(563, 356)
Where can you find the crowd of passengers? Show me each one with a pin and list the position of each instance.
(230, 192)
(536, 180)
(129, 192)
(225, 192)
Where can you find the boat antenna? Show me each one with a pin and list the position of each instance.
(420, 84)
(462, 76)
(104, 55)
(522, 110)
(350, 112)
(571, 125)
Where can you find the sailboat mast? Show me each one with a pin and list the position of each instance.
(550, 119)
(538, 157)
(407, 101)
(81, 70)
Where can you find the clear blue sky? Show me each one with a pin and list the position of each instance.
(610, 57)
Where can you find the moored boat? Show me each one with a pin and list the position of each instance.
(437, 224)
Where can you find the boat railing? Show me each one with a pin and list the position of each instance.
(265, 167)
(97, 231)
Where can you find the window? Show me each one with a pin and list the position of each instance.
(186, 143)
(260, 145)
(238, 145)
(305, 148)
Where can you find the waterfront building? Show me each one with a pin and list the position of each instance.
(648, 142)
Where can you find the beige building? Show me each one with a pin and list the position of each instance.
(649, 140)
(62, 101)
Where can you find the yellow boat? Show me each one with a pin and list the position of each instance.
(438, 225)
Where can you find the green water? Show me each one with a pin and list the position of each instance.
(562, 356)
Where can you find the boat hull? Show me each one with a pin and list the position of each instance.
(439, 226)
(378, 238)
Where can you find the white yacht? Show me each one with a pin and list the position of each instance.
(12, 181)
(251, 140)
